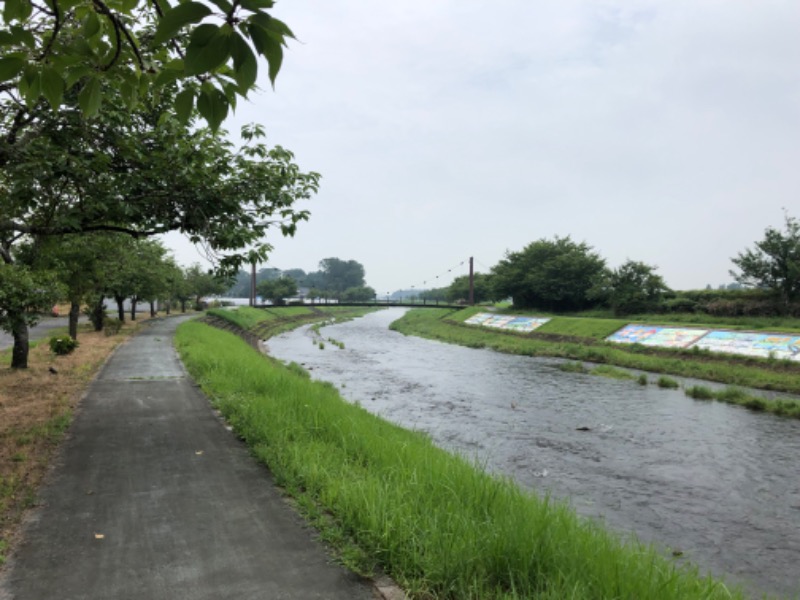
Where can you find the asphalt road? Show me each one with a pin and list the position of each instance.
(41, 330)
(155, 499)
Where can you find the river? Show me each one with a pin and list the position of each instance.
(716, 483)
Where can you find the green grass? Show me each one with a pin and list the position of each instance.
(668, 383)
(390, 499)
(447, 325)
(612, 372)
(597, 329)
(245, 317)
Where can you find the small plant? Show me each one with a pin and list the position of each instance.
(699, 392)
(322, 345)
(667, 383)
(642, 380)
(63, 345)
(612, 372)
(112, 326)
(573, 367)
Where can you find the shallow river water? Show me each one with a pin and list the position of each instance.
(718, 483)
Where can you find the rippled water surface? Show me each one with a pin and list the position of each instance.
(719, 483)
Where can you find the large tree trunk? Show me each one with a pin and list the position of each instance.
(99, 315)
(120, 300)
(74, 313)
(169, 306)
(152, 308)
(183, 306)
(19, 354)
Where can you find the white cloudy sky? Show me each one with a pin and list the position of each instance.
(666, 131)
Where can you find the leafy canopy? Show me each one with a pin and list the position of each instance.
(90, 48)
(547, 274)
(774, 263)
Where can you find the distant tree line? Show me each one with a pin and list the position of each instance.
(336, 279)
(561, 275)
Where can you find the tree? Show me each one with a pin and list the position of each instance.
(142, 174)
(277, 290)
(553, 275)
(78, 263)
(202, 283)
(358, 294)
(774, 264)
(634, 287)
(336, 275)
(105, 51)
(24, 293)
(482, 289)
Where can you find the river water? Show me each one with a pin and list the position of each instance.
(718, 483)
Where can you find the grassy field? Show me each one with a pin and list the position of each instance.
(388, 499)
(581, 339)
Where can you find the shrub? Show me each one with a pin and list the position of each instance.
(699, 392)
(63, 345)
(112, 326)
(667, 383)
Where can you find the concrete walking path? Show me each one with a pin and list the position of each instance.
(155, 499)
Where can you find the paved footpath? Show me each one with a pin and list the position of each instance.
(155, 499)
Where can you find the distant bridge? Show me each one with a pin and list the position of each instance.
(374, 303)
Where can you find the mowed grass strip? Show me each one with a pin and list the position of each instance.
(433, 521)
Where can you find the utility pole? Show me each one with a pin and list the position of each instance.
(471, 283)
(253, 283)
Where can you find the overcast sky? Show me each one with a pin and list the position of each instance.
(661, 131)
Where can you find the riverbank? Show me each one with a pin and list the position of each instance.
(391, 500)
(582, 339)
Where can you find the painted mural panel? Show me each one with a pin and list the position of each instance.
(763, 345)
(672, 337)
(648, 335)
(508, 322)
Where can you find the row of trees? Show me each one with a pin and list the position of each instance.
(102, 107)
(561, 275)
(85, 271)
(337, 279)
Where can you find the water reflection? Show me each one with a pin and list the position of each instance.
(718, 483)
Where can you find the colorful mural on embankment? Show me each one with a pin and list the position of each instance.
(764, 345)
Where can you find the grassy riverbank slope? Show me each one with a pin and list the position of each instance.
(390, 500)
(582, 339)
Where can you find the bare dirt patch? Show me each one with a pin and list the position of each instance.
(36, 408)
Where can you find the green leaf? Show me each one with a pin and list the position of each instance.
(223, 5)
(213, 106)
(245, 65)
(30, 85)
(16, 10)
(130, 95)
(184, 103)
(272, 25)
(203, 34)
(181, 15)
(77, 73)
(90, 98)
(52, 87)
(269, 47)
(256, 5)
(24, 35)
(166, 76)
(91, 25)
(207, 57)
(10, 67)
